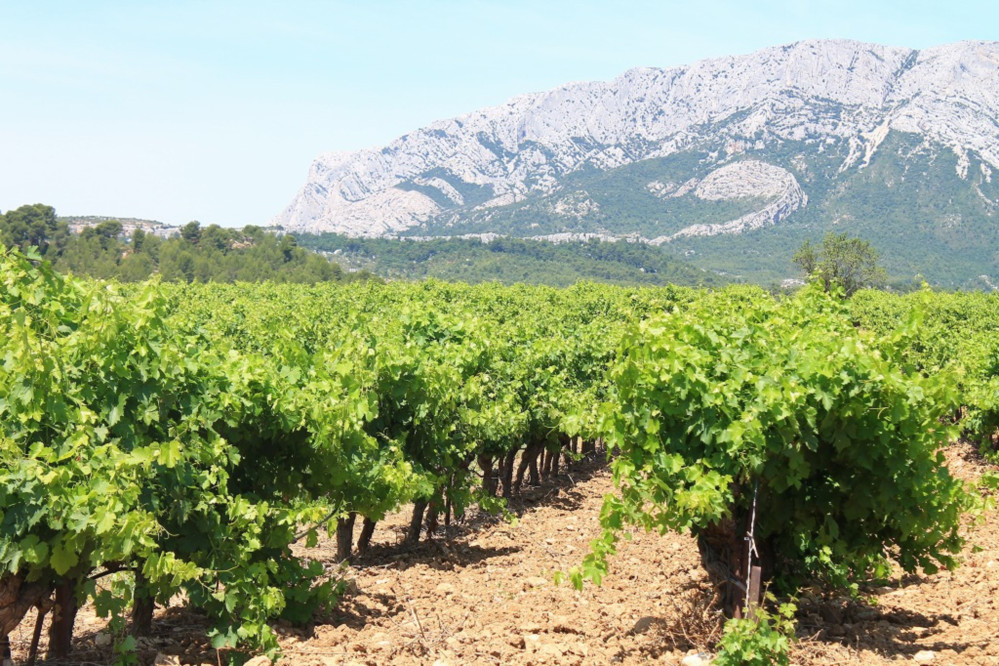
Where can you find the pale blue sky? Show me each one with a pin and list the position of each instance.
(213, 110)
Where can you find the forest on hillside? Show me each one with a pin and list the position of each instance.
(198, 254)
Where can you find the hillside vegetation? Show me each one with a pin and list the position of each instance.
(196, 254)
(513, 260)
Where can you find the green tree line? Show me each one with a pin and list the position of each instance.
(511, 260)
(198, 254)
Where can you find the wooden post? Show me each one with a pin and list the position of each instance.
(756, 573)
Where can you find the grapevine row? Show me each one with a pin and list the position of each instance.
(162, 439)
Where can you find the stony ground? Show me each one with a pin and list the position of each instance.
(485, 595)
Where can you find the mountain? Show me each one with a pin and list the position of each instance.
(731, 162)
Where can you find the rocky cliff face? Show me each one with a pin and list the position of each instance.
(831, 100)
(738, 180)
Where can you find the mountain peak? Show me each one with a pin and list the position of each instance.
(836, 96)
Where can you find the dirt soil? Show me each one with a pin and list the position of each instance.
(484, 594)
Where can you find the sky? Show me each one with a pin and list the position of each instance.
(213, 111)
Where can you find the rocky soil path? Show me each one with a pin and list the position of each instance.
(485, 595)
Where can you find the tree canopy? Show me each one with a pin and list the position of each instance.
(850, 263)
(33, 225)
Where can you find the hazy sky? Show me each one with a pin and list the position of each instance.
(180, 110)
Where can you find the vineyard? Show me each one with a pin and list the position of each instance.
(222, 448)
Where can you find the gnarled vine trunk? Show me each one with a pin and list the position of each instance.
(508, 473)
(431, 518)
(143, 606)
(364, 539)
(725, 556)
(723, 551)
(489, 481)
(345, 537)
(529, 460)
(416, 523)
(16, 599)
(63, 619)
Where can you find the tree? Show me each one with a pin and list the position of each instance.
(138, 240)
(107, 233)
(136, 267)
(34, 225)
(191, 232)
(848, 262)
(288, 245)
(806, 258)
(214, 237)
